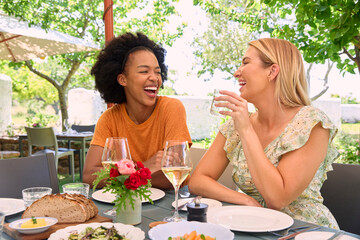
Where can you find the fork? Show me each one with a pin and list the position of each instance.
(284, 232)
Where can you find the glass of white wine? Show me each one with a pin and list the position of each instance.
(176, 165)
(115, 149)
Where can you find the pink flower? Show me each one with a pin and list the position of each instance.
(126, 166)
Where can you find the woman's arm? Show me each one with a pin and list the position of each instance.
(204, 179)
(281, 185)
(92, 165)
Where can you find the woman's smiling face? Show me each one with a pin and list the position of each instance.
(141, 78)
(252, 75)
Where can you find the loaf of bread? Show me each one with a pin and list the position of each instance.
(67, 208)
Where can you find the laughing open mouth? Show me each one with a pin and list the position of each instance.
(151, 89)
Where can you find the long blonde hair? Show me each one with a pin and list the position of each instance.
(291, 86)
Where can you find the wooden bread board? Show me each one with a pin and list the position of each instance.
(44, 235)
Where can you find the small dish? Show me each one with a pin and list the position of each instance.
(17, 225)
(212, 203)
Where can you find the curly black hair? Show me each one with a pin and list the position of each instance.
(111, 62)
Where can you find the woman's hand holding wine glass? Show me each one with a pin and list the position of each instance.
(176, 165)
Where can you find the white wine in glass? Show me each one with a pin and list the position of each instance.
(115, 149)
(176, 165)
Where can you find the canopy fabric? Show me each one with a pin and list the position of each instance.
(19, 42)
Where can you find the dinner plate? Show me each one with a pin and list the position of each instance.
(17, 225)
(249, 219)
(108, 197)
(128, 231)
(11, 205)
(318, 235)
(178, 229)
(212, 203)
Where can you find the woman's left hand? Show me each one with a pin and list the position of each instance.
(239, 109)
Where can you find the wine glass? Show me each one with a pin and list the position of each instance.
(176, 165)
(67, 125)
(115, 149)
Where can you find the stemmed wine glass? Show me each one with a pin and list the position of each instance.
(176, 165)
(115, 149)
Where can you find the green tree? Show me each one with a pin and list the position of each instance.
(222, 45)
(320, 29)
(83, 19)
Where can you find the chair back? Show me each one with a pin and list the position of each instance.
(19, 173)
(42, 137)
(341, 193)
(83, 128)
(226, 178)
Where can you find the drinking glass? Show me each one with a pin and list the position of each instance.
(76, 188)
(176, 165)
(2, 219)
(115, 149)
(30, 195)
(67, 126)
(214, 110)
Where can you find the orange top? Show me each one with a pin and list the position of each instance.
(167, 122)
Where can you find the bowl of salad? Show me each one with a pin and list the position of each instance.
(113, 231)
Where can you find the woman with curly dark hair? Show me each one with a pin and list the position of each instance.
(129, 72)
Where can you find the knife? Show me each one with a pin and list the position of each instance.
(336, 235)
(294, 234)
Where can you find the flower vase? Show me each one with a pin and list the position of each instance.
(129, 215)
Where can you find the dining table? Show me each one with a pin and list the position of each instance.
(163, 207)
(82, 137)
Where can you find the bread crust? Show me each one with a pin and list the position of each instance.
(67, 208)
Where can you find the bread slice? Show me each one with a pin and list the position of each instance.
(65, 207)
(81, 201)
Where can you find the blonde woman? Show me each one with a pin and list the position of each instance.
(281, 152)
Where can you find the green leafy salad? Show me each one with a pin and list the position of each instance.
(98, 233)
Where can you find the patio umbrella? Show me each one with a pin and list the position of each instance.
(19, 42)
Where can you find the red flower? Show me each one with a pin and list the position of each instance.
(140, 165)
(133, 181)
(114, 172)
(144, 174)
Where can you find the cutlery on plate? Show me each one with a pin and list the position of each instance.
(286, 231)
(190, 201)
(337, 235)
(297, 233)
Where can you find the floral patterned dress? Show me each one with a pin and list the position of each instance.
(308, 206)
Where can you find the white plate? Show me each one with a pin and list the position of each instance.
(211, 202)
(128, 231)
(175, 229)
(249, 219)
(108, 197)
(318, 235)
(11, 205)
(17, 225)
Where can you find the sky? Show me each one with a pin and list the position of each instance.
(181, 59)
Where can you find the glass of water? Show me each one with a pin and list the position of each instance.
(2, 219)
(77, 188)
(32, 194)
(214, 110)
